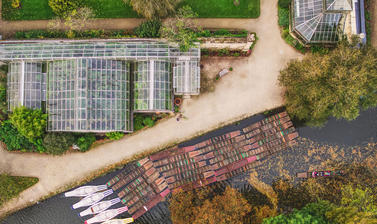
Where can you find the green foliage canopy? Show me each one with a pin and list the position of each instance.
(13, 139)
(85, 141)
(114, 135)
(149, 29)
(58, 143)
(181, 29)
(30, 123)
(338, 84)
(62, 8)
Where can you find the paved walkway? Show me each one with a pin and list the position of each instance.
(250, 89)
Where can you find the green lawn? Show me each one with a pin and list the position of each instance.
(11, 187)
(30, 10)
(39, 9)
(225, 8)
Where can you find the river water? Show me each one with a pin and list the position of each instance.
(57, 209)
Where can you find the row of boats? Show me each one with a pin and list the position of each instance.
(92, 197)
(142, 185)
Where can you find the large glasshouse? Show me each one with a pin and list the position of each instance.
(95, 86)
(320, 21)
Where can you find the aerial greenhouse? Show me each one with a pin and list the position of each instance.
(95, 86)
(320, 21)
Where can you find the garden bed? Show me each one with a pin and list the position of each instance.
(242, 46)
(40, 10)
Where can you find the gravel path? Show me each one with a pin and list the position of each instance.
(251, 88)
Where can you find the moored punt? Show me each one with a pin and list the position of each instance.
(150, 204)
(92, 199)
(99, 207)
(85, 191)
(106, 215)
(119, 221)
(215, 159)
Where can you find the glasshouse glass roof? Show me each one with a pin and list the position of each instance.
(88, 95)
(317, 21)
(186, 77)
(52, 50)
(92, 93)
(152, 86)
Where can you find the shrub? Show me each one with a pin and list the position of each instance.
(148, 29)
(221, 32)
(30, 123)
(204, 33)
(16, 4)
(58, 143)
(85, 141)
(63, 8)
(13, 139)
(224, 52)
(284, 4)
(141, 121)
(285, 33)
(114, 135)
(148, 122)
(283, 17)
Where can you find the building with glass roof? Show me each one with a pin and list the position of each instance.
(319, 21)
(96, 86)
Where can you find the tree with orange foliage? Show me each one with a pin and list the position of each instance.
(230, 207)
(200, 206)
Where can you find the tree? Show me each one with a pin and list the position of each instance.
(78, 18)
(203, 206)
(151, 9)
(338, 84)
(30, 123)
(62, 8)
(312, 213)
(58, 143)
(181, 207)
(75, 20)
(229, 207)
(182, 29)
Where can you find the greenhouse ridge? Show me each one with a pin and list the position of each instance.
(95, 86)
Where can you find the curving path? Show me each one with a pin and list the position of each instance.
(250, 89)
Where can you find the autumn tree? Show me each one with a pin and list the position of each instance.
(230, 207)
(336, 84)
(182, 29)
(204, 206)
(152, 9)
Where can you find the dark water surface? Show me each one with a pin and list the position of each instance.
(57, 209)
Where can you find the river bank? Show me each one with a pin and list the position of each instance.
(337, 140)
